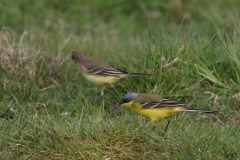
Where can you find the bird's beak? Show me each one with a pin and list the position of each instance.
(73, 57)
(117, 106)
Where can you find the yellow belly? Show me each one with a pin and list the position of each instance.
(155, 113)
(101, 80)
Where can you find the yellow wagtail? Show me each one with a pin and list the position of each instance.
(155, 106)
(100, 73)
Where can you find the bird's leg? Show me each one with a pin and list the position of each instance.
(112, 90)
(153, 128)
(102, 94)
(166, 127)
(154, 125)
(112, 93)
(167, 124)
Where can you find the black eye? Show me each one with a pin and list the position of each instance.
(125, 101)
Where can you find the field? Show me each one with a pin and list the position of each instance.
(49, 111)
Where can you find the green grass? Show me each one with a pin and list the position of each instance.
(48, 110)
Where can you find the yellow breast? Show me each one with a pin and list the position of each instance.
(101, 80)
(98, 79)
(154, 113)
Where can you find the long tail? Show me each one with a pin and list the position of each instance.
(199, 110)
(140, 74)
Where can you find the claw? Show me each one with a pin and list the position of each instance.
(99, 99)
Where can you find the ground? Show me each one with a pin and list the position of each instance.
(48, 110)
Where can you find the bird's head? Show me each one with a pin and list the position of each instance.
(127, 100)
(77, 56)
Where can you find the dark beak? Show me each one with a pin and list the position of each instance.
(73, 57)
(117, 106)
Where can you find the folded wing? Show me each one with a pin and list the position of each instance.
(107, 70)
(163, 102)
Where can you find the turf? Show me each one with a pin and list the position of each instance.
(48, 110)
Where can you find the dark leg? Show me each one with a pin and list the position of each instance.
(112, 93)
(153, 128)
(167, 124)
(99, 99)
(154, 125)
(102, 94)
(166, 127)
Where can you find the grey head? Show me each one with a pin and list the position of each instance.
(127, 98)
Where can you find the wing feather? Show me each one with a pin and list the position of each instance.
(163, 102)
(107, 70)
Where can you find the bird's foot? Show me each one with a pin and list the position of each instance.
(161, 134)
(100, 98)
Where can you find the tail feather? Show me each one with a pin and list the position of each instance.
(199, 110)
(140, 74)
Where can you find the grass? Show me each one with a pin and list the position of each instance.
(48, 110)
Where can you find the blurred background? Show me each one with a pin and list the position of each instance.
(116, 32)
(122, 16)
(102, 27)
(38, 37)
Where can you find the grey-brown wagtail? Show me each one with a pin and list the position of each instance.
(100, 73)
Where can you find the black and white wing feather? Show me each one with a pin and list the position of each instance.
(107, 70)
(163, 102)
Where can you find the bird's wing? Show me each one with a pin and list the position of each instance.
(106, 70)
(154, 101)
(146, 98)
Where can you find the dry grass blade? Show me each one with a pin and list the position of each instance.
(15, 57)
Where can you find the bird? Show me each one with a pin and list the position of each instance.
(100, 73)
(155, 106)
